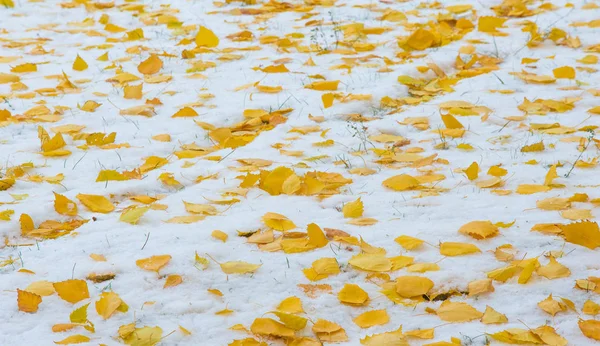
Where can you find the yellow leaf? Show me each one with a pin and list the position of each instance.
(316, 237)
(594, 110)
(153, 162)
(409, 243)
(413, 286)
(6, 214)
(278, 222)
(585, 233)
(110, 175)
(330, 85)
(490, 25)
(401, 182)
(153, 263)
(185, 331)
(353, 209)
(591, 308)
(27, 301)
(201, 262)
(291, 321)
(79, 315)
(27, 224)
(186, 219)
(549, 336)
(450, 122)
(422, 267)
(5, 184)
(239, 267)
(457, 249)
(371, 262)
(480, 286)
(168, 179)
(291, 184)
(372, 318)
(590, 328)
(527, 271)
(472, 171)
(327, 100)
(79, 64)
(63, 327)
(497, 171)
(588, 59)
(7, 3)
(457, 312)
(322, 268)
(577, 214)
(222, 236)
(553, 203)
(64, 206)
(72, 291)
(268, 326)
(363, 221)
(146, 336)
(553, 270)
(247, 342)
(273, 182)
(136, 34)
(528, 189)
(329, 332)
(108, 304)
(292, 305)
(353, 294)
(24, 68)
(173, 280)
(206, 38)
(533, 147)
(393, 338)
(165, 137)
(103, 57)
(185, 112)
(73, 339)
(151, 65)
(491, 316)
(421, 39)
(552, 306)
(96, 203)
(41, 288)
(280, 68)
(479, 229)
(503, 274)
(421, 333)
(133, 92)
(133, 214)
(564, 72)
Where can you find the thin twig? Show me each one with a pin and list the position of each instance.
(146, 242)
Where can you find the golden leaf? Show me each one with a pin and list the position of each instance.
(72, 291)
(372, 318)
(173, 280)
(206, 38)
(154, 263)
(457, 312)
(96, 203)
(28, 301)
(353, 209)
(73, 339)
(239, 267)
(151, 65)
(108, 303)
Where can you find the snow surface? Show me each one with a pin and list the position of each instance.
(431, 218)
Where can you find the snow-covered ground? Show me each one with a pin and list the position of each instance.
(355, 121)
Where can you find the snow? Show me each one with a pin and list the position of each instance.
(431, 218)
